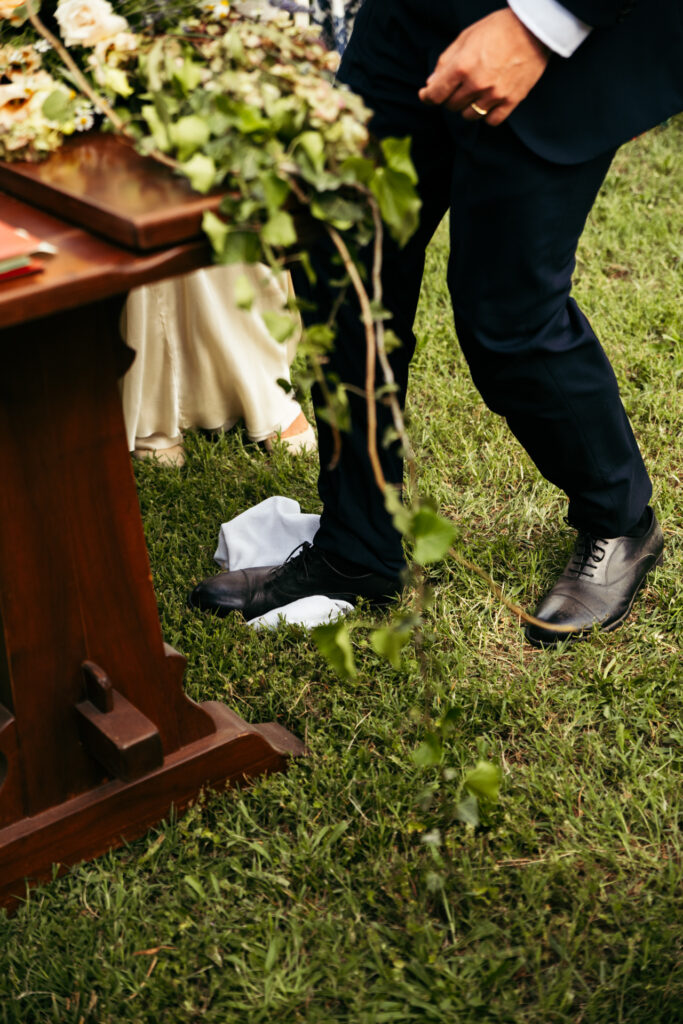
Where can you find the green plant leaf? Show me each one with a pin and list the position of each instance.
(216, 229)
(242, 247)
(337, 412)
(275, 192)
(117, 82)
(188, 134)
(388, 642)
(318, 339)
(157, 127)
(188, 76)
(398, 201)
(56, 106)
(244, 293)
(397, 155)
(334, 643)
(391, 341)
(280, 325)
(400, 516)
(201, 171)
(433, 535)
(356, 169)
(312, 146)
(430, 752)
(341, 213)
(467, 810)
(279, 230)
(483, 781)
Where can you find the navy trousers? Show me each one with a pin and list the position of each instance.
(515, 219)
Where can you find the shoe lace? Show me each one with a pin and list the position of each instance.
(304, 555)
(587, 555)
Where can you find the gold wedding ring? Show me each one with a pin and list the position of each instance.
(478, 110)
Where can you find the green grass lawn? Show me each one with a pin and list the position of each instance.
(347, 890)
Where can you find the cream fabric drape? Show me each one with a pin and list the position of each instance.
(202, 362)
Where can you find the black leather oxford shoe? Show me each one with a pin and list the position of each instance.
(306, 572)
(598, 586)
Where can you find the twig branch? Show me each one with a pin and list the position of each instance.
(498, 591)
(387, 371)
(370, 353)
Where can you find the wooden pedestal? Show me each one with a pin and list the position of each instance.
(97, 739)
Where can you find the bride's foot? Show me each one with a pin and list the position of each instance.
(173, 456)
(298, 437)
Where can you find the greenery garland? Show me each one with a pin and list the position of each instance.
(249, 106)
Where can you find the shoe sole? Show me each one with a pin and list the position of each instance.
(584, 634)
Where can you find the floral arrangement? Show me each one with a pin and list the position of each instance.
(230, 95)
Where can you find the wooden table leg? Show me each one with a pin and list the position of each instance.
(97, 738)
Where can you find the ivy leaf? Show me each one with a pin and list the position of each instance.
(241, 247)
(397, 155)
(249, 120)
(154, 64)
(398, 201)
(433, 535)
(391, 341)
(334, 643)
(356, 169)
(388, 642)
(312, 146)
(318, 339)
(244, 293)
(230, 245)
(188, 76)
(117, 82)
(337, 411)
(275, 192)
(380, 312)
(430, 751)
(467, 810)
(201, 171)
(279, 230)
(216, 230)
(57, 106)
(157, 127)
(400, 516)
(483, 781)
(189, 134)
(280, 325)
(339, 212)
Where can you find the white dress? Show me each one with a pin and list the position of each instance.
(203, 362)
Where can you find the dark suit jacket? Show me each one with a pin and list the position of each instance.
(625, 78)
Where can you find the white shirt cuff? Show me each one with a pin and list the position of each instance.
(552, 23)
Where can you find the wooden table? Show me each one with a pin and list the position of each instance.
(97, 738)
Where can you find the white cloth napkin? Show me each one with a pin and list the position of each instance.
(266, 535)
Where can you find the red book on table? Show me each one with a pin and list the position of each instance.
(16, 248)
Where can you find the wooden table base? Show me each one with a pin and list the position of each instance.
(97, 738)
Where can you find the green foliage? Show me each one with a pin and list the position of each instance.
(57, 106)
(389, 641)
(433, 534)
(281, 325)
(334, 643)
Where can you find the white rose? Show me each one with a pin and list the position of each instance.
(87, 22)
(122, 43)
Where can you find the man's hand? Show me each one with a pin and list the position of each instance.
(494, 64)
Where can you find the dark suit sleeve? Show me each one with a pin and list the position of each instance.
(600, 13)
